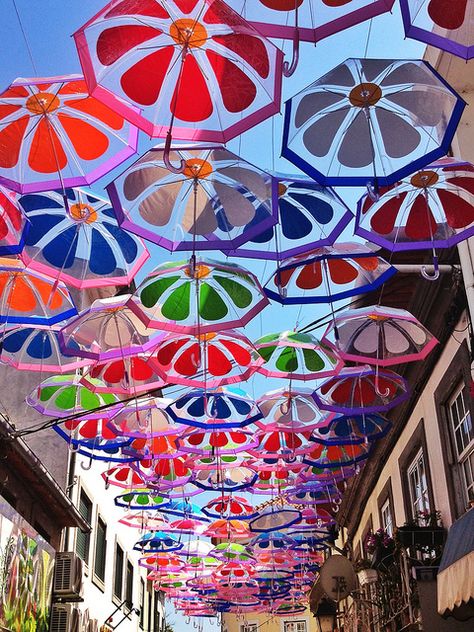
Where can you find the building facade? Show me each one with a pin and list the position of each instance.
(303, 622)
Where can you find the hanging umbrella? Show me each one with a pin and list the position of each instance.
(371, 121)
(165, 474)
(107, 329)
(185, 509)
(234, 552)
(13, 224)
(351, 429)
(214, 74)
(276, 481)
(273, 541)
(152, 448)
(336, 456)
(229, 506)
(296, 356)
(216, 442)
(434, 208)
(207, 360)
(141, 499)
(379, 335)
(196, 548)
(228, 529)
(161, 562)
(328, 274)
(198, 296)
(284, 443)
(309, 216)
(445, 25)
(224, 478)
(314, 494)
(288, 408)
(64, 395)
(313, 518)
(275, 518)
(361, 389)
(55, 135)
(79, 242)
(127, 376)
(221, 408)
(90, 429)
(184, 526)
(156, 541)
(37, 349)
(220, 201)
(307, 20)
(144, 520)
(126, 477)
(30, 298)
(143, 417)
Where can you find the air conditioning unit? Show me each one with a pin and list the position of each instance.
(67, 584)
(65, 618)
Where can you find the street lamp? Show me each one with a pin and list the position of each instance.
(326, 616)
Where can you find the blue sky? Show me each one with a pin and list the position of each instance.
(48, 25)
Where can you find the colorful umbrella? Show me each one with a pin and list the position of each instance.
(185, 526)
(146, 448)
(198, 296)
(328, 274)
(220, 201)
(335, 456)
(161, 562)
(288, 408)
(221, 408)
(229, 506)
(216, 442)
(228, 529)
(361, 389)
(296, 356)
(445, 25)
(207, 360)
(165, 474)
(275, 518)
(371, 121)
(30, 298)
(144, 520)
(12, 223)
(308, 20)
(309, 216)
(126, 477)
(234, 552)
(55, 135)
(214, 74)
(273, 541)
(37, 349)
(126, 376)
(64, 395)
(90, 430)
(379, 335)
(74, 236)
(144, 417)
(224, 478)
(157, 541)
(351, 429)
(107, 329)
(434, 208)
(141, 499)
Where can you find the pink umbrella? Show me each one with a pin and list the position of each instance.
(207, 360)
(217, 442)
(128, 376)
(143, 418)
(288, 408)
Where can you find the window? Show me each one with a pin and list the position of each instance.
(83, 540)
(249, 627)
(150, 605)
(295, 626)
(100, 549)
(118, 572)
(142, 603)
(418, 485)
(156, 614)
(461, 425)
(129, 585)
(386, 516)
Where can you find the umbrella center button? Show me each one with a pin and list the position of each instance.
(365, 94)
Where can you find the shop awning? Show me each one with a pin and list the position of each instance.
(456, 572)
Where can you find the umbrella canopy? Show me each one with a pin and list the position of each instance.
(379, 335)
(12, 223)
(296, 356)
(64, 395)
(328, 274)
(219, 201)
(158, 541)
(286, 443)
(220, 408)
(129, 376)
(233, 551)
(223, 477)
(216, 442)
(229, 506)
(143, 417)
(228, 529)
(37, 349)
(446, 26)
(309, 216)
(74, 236)
(54, 135)
(371, 121)
(351, 429)
(336, 456)
(434, 208)
(141, 499)
(317, 19)
(214, 75)
(30, 298)
(90, 431)
(290, 408)
(361, 389)
(207, 360)
(198, 296)
(144, 520)
(275, 518)
(107, 329)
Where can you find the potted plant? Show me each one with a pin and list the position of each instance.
(425, 532)
(365, 573)
(380, 546)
